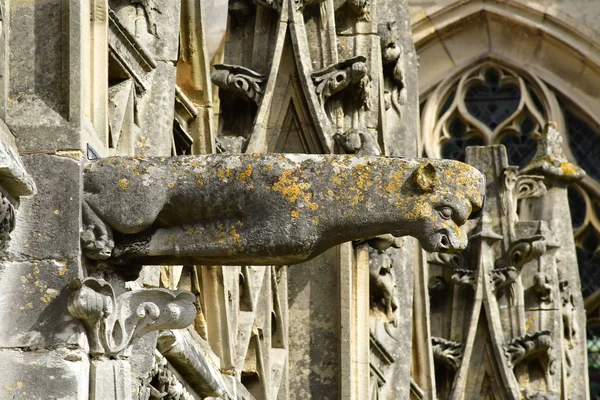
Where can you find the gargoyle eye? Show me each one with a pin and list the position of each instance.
(445, 212)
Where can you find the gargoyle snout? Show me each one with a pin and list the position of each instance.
(449, 242)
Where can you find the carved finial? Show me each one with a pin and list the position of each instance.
(113, 323)
(550, 159)
(240, 81)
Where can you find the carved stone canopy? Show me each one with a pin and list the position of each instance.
(268, 208)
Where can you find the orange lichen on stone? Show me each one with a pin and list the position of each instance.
(243, 176)
(124, 184)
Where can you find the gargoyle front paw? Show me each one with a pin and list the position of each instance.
(97, 245)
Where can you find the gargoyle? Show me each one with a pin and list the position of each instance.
(382, 284)
(269, 209)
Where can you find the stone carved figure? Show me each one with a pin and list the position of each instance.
(361, 8)
(395, 93)
(148, 8)
(268, 208)
(7, 221)
(538, 344)
(382, 284)
(447, 352)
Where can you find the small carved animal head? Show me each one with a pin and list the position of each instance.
(444, 195)
(388, 38)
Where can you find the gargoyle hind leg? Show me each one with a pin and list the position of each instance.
(96, 237)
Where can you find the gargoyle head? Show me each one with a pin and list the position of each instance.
(444, 195)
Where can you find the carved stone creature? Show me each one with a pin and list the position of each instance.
(464, 277)
(149, 8)
(335, 78)
(240, 81)
(501, 277)
(357, 141)
(447, 352)
(542, 286)
(393, 66)
(537, 344)
(270, 208)
(568, 310)
(382, 284)
(361, 8)
(7, 221)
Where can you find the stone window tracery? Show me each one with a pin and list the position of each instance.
(490, 103)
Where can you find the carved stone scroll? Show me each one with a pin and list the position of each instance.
(113, 323)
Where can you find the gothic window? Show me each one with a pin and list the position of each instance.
(493, 104)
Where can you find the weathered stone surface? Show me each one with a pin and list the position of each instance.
(34, 299)
(44, 375)
(48, 223)
(308, 206)
(314, 331)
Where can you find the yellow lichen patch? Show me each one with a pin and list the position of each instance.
(46, 298)
(245, 174)
(288, 188)
(567, 168)
(236, 236)
(295, 214)
(171, 185)
(315, 221)
(313, 206)
(62, 271)
(124, 184)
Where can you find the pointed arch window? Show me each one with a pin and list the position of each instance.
(491, 103)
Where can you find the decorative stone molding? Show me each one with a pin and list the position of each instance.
(447, 352)
(240, 81)
(129, 53)
(113, 322)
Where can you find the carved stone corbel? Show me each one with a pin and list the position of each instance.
(464, 277)
(501, 277)
(113, 323)
(538, 344)
(352, 73)
(447, 352)
(239, 81)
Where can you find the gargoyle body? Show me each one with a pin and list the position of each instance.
(269, 209)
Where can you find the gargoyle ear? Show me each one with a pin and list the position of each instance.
(426, 177)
